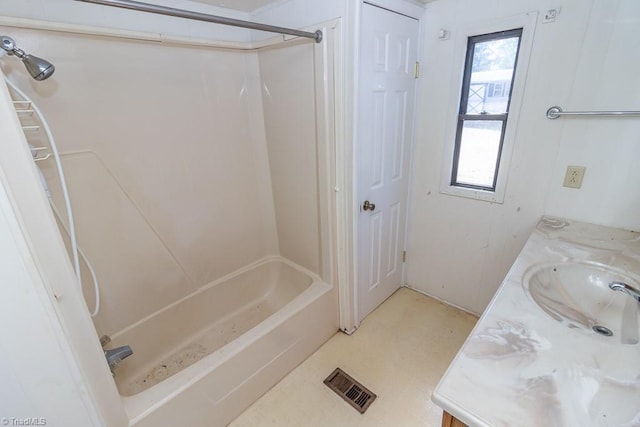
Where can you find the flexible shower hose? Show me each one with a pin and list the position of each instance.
(71, 230)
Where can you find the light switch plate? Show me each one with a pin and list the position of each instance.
(573, 177)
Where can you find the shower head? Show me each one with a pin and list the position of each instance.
(38, 68)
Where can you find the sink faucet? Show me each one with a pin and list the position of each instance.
(114, 356)
(623, 287)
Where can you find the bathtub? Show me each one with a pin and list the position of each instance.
(204, 359)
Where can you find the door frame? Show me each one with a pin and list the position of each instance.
(348, 204)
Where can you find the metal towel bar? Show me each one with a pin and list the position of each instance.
(555, 112)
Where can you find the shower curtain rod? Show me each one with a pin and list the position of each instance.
(181, 13)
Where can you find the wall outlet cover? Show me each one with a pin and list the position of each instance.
(574, 176)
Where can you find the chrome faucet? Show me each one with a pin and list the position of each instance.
(114, 356)
(623, 287)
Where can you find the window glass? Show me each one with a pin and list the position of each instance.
(484, 108)
(479, 148)
(493, 65)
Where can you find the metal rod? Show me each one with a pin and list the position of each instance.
(555, 112)
(181, 13)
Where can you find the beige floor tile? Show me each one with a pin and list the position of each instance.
(399, 352)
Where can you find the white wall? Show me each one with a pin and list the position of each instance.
(297, 14)
(173, 190)
(33, 386)
(167, 163)
(74, 12)
(306, 14)
(606, 78)
(50, 352)
(166, 159)
(460, 249)
(288, 101)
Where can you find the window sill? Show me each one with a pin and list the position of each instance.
(472, 193)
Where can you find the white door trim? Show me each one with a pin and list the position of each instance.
(346, 113)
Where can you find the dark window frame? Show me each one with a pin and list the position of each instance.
(464, 100)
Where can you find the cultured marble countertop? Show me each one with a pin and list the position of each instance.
(520, 367)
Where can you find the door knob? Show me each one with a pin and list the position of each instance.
(367, 206)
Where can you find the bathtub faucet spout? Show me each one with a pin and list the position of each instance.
(114, 356)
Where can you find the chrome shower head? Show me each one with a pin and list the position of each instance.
(38, 68)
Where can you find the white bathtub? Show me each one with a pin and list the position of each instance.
(204, 359)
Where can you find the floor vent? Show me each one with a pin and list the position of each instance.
(350, 390)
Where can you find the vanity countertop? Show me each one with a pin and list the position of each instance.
(521, 367)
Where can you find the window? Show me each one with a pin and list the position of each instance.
(489, 72)
(497, 89)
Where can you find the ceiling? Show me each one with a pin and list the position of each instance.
(242, 5)
(251, 5)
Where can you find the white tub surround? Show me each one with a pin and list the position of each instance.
(520, 366)
(205, 358)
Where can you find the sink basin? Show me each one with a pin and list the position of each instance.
(578, 295)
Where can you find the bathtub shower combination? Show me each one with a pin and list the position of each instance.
(209, 294)
(212, 353)
(214, 316)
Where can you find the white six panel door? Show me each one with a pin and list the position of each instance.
(388, 55)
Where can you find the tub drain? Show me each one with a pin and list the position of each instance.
(602, 330)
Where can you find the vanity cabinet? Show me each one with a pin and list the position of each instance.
(559, 343)
(449, 420)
